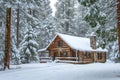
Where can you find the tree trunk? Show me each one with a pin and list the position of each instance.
(17, 33)
(118, 23)
(7, 39)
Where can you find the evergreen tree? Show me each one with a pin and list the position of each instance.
(102, 20)
(2, 38)
(46, 22)
(15, 55)
(65, 16)
(81, 27)
(2, 34)
(35, 14)
(29, 48)
(118, 23)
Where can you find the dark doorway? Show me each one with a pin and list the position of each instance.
(54, 55)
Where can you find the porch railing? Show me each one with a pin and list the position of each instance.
(66, 58)
(45, 59)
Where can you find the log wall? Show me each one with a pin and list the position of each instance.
(103, 59)
(57, 51)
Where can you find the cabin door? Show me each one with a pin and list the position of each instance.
(54, 55)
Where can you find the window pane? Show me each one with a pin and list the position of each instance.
(59, 43)
(99, 55)
(87, 54)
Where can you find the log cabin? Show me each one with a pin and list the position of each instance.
(77, 49)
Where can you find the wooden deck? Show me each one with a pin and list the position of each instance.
(71, 60)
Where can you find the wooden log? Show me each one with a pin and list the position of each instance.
(7, 39)
(118, 23)
(17, 26)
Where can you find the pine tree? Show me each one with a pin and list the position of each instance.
(35, 14)
(46, 25)
(2, 33)
(7, 39)
(15, 55)
(118, 23)
(29, 48)
(5, 16)
(81, 27)
(101, 18)
(65, 16)
(116, 47)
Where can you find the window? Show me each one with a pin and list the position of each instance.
(87, 54)
(60, 43)
(63, 54)
(99, 56)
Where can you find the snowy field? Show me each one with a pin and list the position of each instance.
(62, 71)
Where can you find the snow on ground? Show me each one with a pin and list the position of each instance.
(63, 71)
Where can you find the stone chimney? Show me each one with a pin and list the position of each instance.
(93, 41)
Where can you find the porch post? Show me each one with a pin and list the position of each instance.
(58, 54)
(52, 55)
(95, 56)
(76, 55)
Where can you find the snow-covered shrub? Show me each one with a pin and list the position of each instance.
(1, 60)
(28, 50)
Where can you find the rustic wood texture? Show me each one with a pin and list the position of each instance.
(82, 57)
(93, 57)
(7, 39)
(103, 59)
(56, 51)
(79, 56)
(54, 44)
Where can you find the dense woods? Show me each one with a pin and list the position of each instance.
(33, 26)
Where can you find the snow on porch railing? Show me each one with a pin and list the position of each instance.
(66, 58)
(45, 59)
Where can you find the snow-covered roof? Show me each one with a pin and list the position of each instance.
(77, 43)
(40, 50)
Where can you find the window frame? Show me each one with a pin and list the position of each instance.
(88, 54)
(99, 55)
(60, 43)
